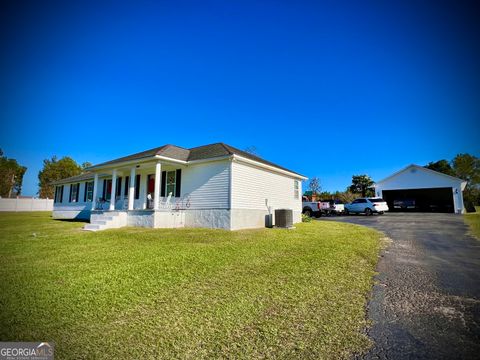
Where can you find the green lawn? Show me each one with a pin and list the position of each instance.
(186, 293)
(473, 220)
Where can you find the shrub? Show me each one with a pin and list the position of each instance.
(306, 218)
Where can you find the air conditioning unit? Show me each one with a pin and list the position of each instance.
(284, 218)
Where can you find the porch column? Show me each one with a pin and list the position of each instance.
(114, 190)
(158, 179)
(131, 189)
(95, 187)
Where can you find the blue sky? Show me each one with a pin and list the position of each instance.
(325, 88)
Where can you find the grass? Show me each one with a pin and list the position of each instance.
(473, 221)
(186, 293)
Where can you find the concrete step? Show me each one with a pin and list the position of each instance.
(106, 220)
(99, 222)
(93, 227)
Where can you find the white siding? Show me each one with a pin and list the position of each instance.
(252, 186)
(207, 185)
(415, 178)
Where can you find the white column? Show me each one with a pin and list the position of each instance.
(158, 179)
(131, 189)
(114, 190)
(95, 187)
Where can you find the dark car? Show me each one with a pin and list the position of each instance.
(404, 204)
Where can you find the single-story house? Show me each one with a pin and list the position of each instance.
(213, 186)
(422, 189)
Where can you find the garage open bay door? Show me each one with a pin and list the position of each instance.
(426, 200)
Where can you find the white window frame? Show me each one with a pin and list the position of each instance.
(89, 197)
(73, 194)
(174, 184)
(296, 189)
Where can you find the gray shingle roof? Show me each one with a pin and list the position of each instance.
(197, 153)
(72, 179)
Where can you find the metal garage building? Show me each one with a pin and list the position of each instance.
(416, 188)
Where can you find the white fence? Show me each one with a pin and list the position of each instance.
(26, 204)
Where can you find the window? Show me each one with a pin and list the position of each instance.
(171, 183)
(127, 185)
(74, 192)
(118, 189)
(359, 201)
(59, 194)
(296, 189)
(88, 195)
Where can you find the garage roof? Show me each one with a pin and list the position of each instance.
(424, 169)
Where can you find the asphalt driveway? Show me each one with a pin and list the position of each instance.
(426, 302)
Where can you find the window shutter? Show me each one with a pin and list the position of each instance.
(85, 193)
(178, 181)
(70, 193)
(162, 184)
(137, 186)
(78, 192)
(61, 193)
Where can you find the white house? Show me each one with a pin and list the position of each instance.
(431, 190)
(213, 186)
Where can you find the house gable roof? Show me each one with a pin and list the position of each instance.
(421, 168)
(204, 152)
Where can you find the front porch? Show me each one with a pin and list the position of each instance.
(141, 186)
(144, 194)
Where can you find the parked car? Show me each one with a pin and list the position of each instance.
(404, 204)
(367, 206)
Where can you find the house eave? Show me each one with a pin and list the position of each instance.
(268, 167)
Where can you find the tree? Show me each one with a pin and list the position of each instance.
(11, 176)
(361, 184)
(345, 196)
(251, 150)
(467, 167)
(54, 170)
(314, 185)
(442, 166)
(86, 164)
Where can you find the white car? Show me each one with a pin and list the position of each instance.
(367, 206)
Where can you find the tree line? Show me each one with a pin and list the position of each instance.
(11, 175)
(465, 167)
